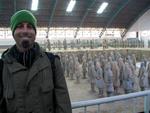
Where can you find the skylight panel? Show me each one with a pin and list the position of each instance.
(102, 7)
(71, 5)
(34, 6)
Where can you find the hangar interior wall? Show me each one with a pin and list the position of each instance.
(140, 30)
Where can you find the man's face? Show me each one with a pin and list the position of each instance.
(24, 36)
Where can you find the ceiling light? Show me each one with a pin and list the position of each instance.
(71, 5)
(34, 5)
(102, 7)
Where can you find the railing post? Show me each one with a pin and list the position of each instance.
(85, 109)
(113, 108)
(134, 103)
(98, 108)
(147, 103)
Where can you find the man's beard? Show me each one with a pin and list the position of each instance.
(26, 40)
(25, 44)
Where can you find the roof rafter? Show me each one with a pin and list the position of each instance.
(84, 16)
(135, 19)
(114, 14)
(80, 17)
(14, 5)
(52, 15)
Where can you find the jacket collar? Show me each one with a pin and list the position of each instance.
(10, 54)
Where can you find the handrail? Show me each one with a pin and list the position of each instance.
(114, 98)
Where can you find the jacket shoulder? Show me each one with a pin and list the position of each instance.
(4, 53)
(51, 56)
(1, 66)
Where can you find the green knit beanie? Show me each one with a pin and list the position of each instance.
(22, 16)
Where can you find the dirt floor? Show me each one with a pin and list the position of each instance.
(81, 91)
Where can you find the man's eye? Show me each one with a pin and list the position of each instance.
(19, 26)
(30, 26)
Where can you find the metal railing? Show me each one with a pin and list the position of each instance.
(98, 102)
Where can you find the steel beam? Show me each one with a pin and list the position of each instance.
(113, 16)
(14, 6)
(51, 16)
(135, 19)
(92, 2)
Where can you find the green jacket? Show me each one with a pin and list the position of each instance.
(33, 89)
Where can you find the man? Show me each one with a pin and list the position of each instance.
(30, 85)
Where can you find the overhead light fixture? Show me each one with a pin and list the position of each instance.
(71, 5)
(34, 6)
(102, 7)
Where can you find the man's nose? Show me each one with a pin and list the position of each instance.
(25, 29)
